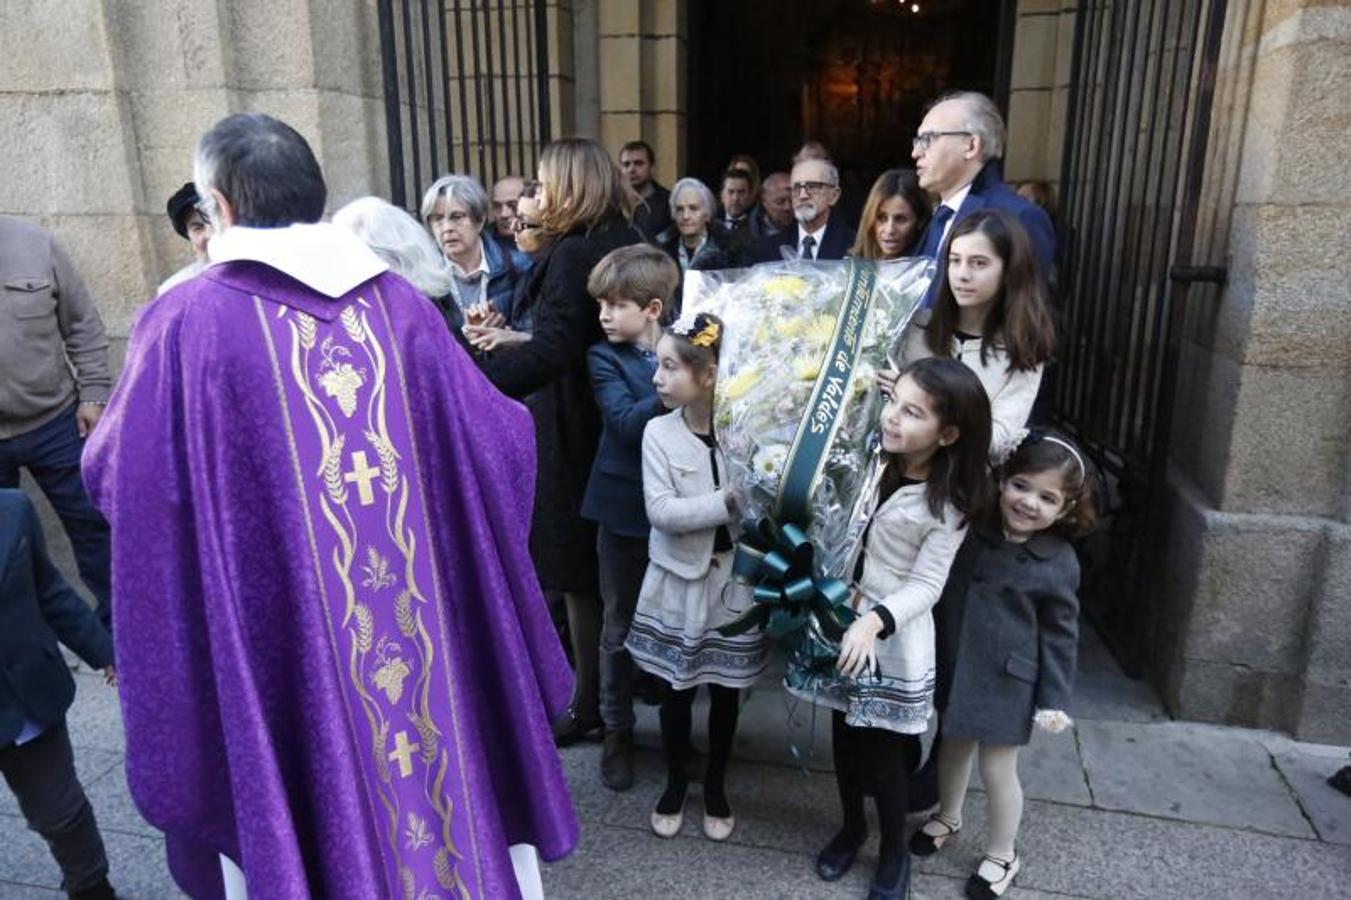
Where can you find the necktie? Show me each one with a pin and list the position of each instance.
(808, 245)
(933, 235)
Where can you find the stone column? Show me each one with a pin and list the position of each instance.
(642, 79)
(103, 102)
(1043, 59)
(1258, 624)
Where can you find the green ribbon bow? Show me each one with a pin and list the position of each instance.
(778, 562)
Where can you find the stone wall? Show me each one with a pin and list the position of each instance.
(102, 102)
(1039, 85)
(1259, 589)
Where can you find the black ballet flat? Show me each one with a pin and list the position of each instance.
(832, 862)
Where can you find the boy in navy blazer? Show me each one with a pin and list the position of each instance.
(633, 287)
(38, 608)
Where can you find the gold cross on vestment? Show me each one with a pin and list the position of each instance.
(362, 476)
(403, 753)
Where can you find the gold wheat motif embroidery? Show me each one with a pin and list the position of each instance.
(427, 737)
(381, 761)
(389, 461)
(445, 873)
(403, 614)
(333, 483)
(408, 883)
(416, 835)
(378, 577)
(365, 630)
(352, 325)
(306, 326)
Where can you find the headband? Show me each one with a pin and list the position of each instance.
(698, 329)
(1083, 471)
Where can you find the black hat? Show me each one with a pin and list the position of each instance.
(180, 206)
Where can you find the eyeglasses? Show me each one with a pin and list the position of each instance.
(922, 140)
(809, 187)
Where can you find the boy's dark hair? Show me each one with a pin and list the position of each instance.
(638, 272)
(1046, 450)
(1020, 320)
(960, 472)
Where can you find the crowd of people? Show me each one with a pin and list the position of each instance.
(563, 291)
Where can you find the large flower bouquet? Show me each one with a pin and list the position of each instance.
(796, 410)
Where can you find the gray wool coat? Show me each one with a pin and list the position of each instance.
(1007, 635)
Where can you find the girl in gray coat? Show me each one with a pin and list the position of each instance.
(1007, 636)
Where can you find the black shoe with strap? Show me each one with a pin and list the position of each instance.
(838, 856)
(899, 889)
(569, 728)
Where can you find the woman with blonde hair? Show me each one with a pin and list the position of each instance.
(584, 207)
(894, 217)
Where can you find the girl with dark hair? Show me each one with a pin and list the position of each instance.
(1007, 636)
(930, 476)
(687, 593)
(990, 312)
(894, 216)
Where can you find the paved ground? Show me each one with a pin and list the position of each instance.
(1128, 805)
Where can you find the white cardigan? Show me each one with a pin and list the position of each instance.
(1011, 393)
(684, 507)
(906, 560)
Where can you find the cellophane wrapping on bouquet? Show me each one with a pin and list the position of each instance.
(780, 323)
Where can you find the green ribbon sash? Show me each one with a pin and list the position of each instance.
(790, 598)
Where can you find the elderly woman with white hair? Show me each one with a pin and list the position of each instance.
(697, 243)
(455, 210)
(399, 240)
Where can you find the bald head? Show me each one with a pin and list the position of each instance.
(959, 134)
(506, 192)
(777, 200)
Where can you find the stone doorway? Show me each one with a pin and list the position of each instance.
(765, 75)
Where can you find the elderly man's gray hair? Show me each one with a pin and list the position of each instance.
(981, 117)
(461, 189)
(263, 167)
(700, 190)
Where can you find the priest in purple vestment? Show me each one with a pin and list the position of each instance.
(336, 666)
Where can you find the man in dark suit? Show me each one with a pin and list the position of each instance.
(38, 608)
(815, 188)
(957, 152)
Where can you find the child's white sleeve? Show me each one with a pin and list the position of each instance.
(920, 590)
(667, 511)
(1009, 410)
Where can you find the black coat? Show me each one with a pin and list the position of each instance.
(1007, 635)
(549, 371)
(38, 608)
(835, 243)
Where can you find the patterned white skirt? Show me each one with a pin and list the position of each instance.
(673, 636)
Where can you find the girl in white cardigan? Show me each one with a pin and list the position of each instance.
(929, 477)
(990, 312)
(687, 592)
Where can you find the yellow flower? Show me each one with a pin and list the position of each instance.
(707, 336)
(786, 287)
(820, 330)
(739, 384)
(808, 368)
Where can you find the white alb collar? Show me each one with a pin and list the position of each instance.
(320, 255)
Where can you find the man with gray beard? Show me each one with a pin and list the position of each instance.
(815, 189)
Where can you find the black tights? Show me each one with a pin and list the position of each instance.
(676, 723)
(878, 762)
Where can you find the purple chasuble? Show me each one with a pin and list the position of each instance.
(336, 664)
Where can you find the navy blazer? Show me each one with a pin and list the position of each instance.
(835, 243)
(989, 191)
(38, 608)
(621, 375)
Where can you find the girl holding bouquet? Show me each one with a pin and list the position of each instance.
(1007, 645)
(687, 591)
(990, 312)
(929, 477)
